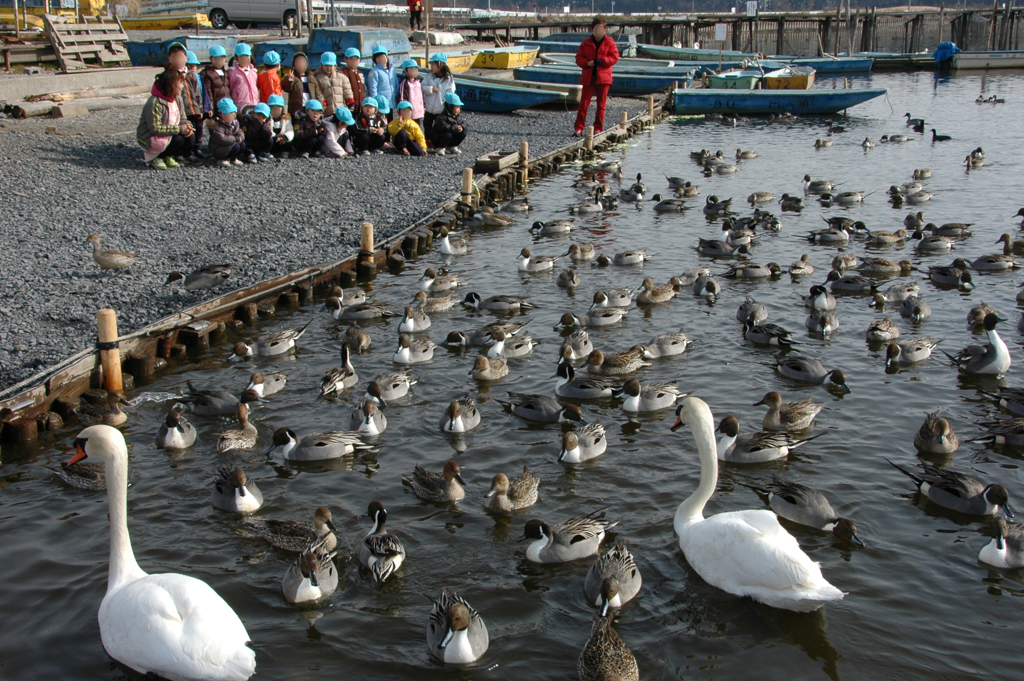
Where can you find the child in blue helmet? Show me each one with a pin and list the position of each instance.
(310, 131)
(242, 77)
(382, 79)
(258, 131)
(227, 142)
(280, 126)
(406, 134)
(370, 130)
(437, 83)
(449, 129)
(410, 90)
(355, 78)
(192, 95)
(338, 142)
(215, 80)
(269, 82)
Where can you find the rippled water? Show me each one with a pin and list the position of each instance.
(919, 602)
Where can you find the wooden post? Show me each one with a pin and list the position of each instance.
(366, 266)
(839, 18)
(992, 28)
(942, 20)
(309, 15)
(110, 356)
(650, 108)
(467, 185)
(780, 36)
(298, 18)
(17, 29)
(524, 161)
(625, 119)
(589, 143)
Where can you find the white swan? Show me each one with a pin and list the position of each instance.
(171, 625)
(746, 553)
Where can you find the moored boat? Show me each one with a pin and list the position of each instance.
(501, 97)
(734, 80)
(625, 84)
(831, 65)
(752, 102)
(458, 62)
(154, 52)
(789, 78)
(691, 53)
(997, 59)
(574, 93)
(505, 58)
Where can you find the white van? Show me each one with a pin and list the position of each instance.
(242, 13)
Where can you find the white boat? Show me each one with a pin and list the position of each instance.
(997, 59)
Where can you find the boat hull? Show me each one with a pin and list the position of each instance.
(790, 78)
(500, 98)
(154, 52)
(623, 84)
(733, 81)
(999, 59)
(807, 102)
(574, 93)
(166, 22)
(508, 58)
(458, 62)
(828, 65)
(691, 54)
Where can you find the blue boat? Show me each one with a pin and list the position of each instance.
(287, 48)
(748, 102)
(154, 52)
(494, 97)
(568, 43)
(623, 84)
(365, 38)
(831, 65)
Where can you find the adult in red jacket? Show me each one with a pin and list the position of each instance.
(596, 56)
(415, 14)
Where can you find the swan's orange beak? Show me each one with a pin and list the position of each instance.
(79, 454)
(677, 425)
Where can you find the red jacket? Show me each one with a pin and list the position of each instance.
(415, 5)
(604, 58)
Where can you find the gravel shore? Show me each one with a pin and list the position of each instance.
(67, 179)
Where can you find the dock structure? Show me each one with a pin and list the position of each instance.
(900, 31)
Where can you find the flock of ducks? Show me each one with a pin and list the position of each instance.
(746, 553)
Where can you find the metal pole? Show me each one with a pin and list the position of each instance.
(298, 18)
(17, 29)
(426, 33)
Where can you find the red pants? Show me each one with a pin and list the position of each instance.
(602, 100)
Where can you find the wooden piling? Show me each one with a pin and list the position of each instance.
(142, 364)
(467, 185)
(524, 161)
(366, 266)
(650, 108)
(589, 143)
(110, 356)
(625, 120)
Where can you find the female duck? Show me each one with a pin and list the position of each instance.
(745, 553)
(936, 436)
(568, 540)
(195, 634)
(783, 416)
(456, 634)
(507, 496)
(446, 486)
(295, 536)
(652, 294)
(606, 657)
(489, 369)
(881, 330)
(616, 363)
(242, 438)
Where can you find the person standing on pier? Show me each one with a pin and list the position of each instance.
(596, 56)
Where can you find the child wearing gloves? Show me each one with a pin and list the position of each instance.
(406, 134)
(310, 132)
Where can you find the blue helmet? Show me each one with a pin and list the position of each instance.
(343, 115)
(440, 58)
(353, 52)
(243, 50)
(328, 59)
(410, 64)
(271, 58)
(275, 100)
(382, 104)
(404, 105)
(453, 99)
(226, 106)
(262, 108)
(218, 51)
(314, 105)
(192, 58)
(380, 49)
(369, 101)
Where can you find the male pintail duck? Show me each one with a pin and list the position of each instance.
(581, 387)
(340, 378)
(954, 275)
(919, 198)
(207, 277)
(718, 248)
(507, 496)
(909, 351)
(1006, 551)
(110, 260)
(382, 553)
(911, 122)
(687, 190)
(897, 293)
(576, 346)
(272, 344)
(582, 252)
(323, 446)
(217, 402)
(668, 205)
(712, 206)
(243, 437)
(585, 443)
(616, 363)
(234, 492)
(428, 305)
(267, 383)
(791, 203)
(992, 359)
(430, 282)
(849, 282)
(808, 507)
(295, 536)
(817, 186)
(489, 369)
(568, 278)
(451, 245)
(414, 321)
(605, 656)
(936, 436)
(485, 334)
(108, 415)
(617, 297)
(588, 207)
(916, 309)
(754, 447)
(526, 262)
(413, 351)
(997, 262)
(914, 221)
(809, 370)
(820, 298)
(613, 580)
(456, 634)
(753, 270)
(867, 143)
(367, 419)
(651, 294)
(784, 416)
(634, 257)
(936, 137)
(604, 317)
(635, 192)
(175, 432)
(959, 492)
(822, 322)
(969, 161)
(362, 311)
(553, 227)
(666, 345)
(1011, 399)
(497, 303)
(1003, 432)
(766, 334)
(955, 229)
(760, 197)
(648, 398)
(311, 578)
(802, 266)
(388, 387)
(569, 540)
(446, 486)
(541, 408)
(460, 416)
(831, 235)
(752, 310)
(688, 277)
(882, 330)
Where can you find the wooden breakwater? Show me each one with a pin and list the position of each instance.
(846, 29)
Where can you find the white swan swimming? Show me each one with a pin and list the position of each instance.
(171, 625)
(745, 553)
